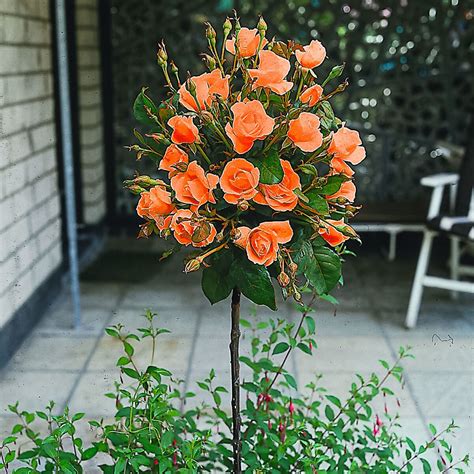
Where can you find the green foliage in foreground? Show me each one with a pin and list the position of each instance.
(283, 431)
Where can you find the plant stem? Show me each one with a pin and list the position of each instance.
(235, 380)
(288, 352)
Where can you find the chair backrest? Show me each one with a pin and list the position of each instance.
(466, 176)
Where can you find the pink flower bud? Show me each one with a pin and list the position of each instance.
(291, 407)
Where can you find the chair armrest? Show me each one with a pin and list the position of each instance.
(441, 179)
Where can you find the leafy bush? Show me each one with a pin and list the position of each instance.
(283, 431)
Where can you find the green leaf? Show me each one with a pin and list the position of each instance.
(89, 453)
(329, 412)
(254, 281)
(426, 466)
(167, 439)
(333, 184)
(317, 202)
(291, 380)
(280, 347)
(140, 106)
(271, 171)
(320, 265)
(122, 361)
(131, 373)
(324, 271)
(311, 324)
(77, 417)
(216, 282)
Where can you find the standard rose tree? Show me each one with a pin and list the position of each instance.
(253, 172)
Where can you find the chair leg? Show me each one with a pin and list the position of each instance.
(417, 288)
(454, 263)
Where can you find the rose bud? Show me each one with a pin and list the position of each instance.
(227, 27)
(283, 279)
(293, 267)
(261, 26)
(210, 61)
(192, 265)
(211, 34)
(162, 56)
(235, 234)
(243, 206)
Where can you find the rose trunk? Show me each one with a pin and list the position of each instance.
(235, 380)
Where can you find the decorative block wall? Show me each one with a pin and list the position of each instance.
(30, 233)
(90, 111)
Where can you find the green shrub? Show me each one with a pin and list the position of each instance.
(282, 430)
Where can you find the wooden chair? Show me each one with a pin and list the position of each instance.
(458, 225)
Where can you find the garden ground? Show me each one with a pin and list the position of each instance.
(75, 367)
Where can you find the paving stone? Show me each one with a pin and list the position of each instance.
(347, 353)
(180, 320)
(52, 353)
(171, 352)
(442, 394)
(34, 390)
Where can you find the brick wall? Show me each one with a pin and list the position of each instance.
(30, 240)
(90, 112)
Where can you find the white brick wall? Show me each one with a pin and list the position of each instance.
(90, 112)
(30, 241)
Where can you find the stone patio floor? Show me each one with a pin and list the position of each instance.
(75, 367)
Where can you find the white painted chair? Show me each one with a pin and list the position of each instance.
(458, 225)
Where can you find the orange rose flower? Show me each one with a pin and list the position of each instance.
(185, 224)
(207, 85)
(304, 132)
(312, 56)
(261, 243)
(346, 148)
(239, 180)
(194, 186)
(184, 130)
(280, 197)
(331, 235)
(156, 204)
(312, 95)
(347, 190)
(250, 123)
(173, 155)
(247, 42)
(271, 73)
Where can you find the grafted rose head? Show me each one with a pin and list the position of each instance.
(239, 180)
(194, 186)
(261, 243)
(250, 123)
(280, 197)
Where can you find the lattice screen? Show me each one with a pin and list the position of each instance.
(410, 64)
